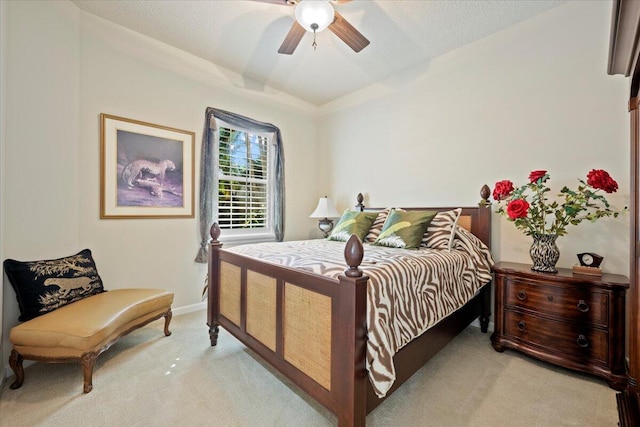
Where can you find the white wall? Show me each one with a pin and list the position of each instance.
(65, 68)
(130, 75)
(533, 96)
(40, 163)
(4, 24)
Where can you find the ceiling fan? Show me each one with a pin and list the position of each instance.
(315, 16)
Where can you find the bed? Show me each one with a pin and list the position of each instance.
(313, 327)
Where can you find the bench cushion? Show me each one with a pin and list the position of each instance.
(89, 324)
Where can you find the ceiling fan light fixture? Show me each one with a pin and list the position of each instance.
(314, 15)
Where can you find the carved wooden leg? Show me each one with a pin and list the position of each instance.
(88, 361)
(167, 320)
(213, 334)
(15, 361)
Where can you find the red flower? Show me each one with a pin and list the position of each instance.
(536, 175)
(502, 189)
(517, 208)
(601, 180)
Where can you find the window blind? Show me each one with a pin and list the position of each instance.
(242, 180)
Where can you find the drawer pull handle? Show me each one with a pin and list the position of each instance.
(550, 297)
(522, 295)
(583, 306)
(582, 341)
(522, 325)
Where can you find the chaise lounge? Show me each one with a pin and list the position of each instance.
(68, 316)
(82, 330)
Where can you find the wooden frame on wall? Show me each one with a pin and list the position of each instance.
(146, 170)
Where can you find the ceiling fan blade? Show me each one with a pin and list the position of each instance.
(280, 2)
(348, 34)
(293, 38)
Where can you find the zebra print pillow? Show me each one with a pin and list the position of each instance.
(43, 286)
(441, 231)
(376, 227)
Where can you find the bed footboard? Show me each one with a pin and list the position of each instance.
(310, 328)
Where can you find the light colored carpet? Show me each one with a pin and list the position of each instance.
(147, 379)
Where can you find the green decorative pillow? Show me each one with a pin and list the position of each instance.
(404, 229)
(353, 222)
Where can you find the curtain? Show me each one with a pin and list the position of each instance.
(207, 165)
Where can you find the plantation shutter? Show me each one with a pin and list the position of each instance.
(242, 180)
(234, 193)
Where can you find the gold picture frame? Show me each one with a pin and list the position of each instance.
(146, 170)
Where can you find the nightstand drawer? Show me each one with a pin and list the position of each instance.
(570, 339)
(570, 320)
(569, 302)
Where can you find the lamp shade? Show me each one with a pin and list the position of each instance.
(318, 12)
(325, 209)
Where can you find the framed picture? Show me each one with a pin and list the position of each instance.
(146, 170)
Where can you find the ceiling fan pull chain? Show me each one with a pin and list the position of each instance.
(314, 27)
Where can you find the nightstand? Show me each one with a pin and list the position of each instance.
(573, 321)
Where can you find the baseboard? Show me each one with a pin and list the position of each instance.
(189, 308)
(176, 312)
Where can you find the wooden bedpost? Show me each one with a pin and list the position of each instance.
(485, 217)
(359, 205)
(485, 193)
(213, 279)
(483, 226)
(352, 341)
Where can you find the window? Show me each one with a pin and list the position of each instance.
(243, 182)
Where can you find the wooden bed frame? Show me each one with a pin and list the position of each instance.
(313, 329)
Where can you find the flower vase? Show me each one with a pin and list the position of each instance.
(544, 253)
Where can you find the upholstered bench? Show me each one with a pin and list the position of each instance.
(82, 330)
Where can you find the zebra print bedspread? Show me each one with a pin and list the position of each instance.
(408, 290)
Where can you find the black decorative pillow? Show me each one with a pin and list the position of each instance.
(42, 286)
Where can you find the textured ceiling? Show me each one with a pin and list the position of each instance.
(244, 36)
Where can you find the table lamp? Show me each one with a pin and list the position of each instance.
(325, 210)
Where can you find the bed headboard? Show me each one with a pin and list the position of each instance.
(476, 219)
